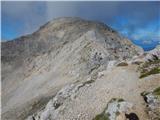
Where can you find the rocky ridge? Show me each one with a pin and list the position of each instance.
(68, 58)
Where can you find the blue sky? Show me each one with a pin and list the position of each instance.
(139, 21)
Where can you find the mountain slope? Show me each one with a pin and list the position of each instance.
(90, 99)
(63, 51)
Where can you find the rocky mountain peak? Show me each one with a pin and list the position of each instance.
(62, 51)
(61, 31)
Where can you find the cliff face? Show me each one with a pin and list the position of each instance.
(62, 51)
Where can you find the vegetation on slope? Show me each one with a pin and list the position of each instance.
(106, 115)
(152, 100)
(102, 116)
(152, 71)
(150, 67)
(157, 91)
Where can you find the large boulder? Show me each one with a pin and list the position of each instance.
(152, 99)
(117, 109)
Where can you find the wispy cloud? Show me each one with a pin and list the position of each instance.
(22, 17)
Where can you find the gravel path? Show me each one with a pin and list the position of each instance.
(121, 82)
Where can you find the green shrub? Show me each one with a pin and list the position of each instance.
(156, 91)
(152, 71)
(144, 93)
(120, 100)
(102, 116)
(147, 64)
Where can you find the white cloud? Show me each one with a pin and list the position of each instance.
(60, 9)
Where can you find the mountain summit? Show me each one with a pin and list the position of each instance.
(68, 38)
(63, 51)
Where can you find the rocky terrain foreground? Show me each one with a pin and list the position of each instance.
(75, 69)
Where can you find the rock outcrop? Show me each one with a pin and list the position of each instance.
(152, 99)
(115, 110)
(151, 63)
(153, 54)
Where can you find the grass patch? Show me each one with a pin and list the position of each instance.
(144, 93)
(120, 100)
(102, 116)
(89, 82)
(152, 71)
(156, 91)
(144, 68)
(147, 64)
